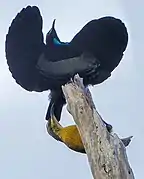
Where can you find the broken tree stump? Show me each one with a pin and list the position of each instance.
(106, 151)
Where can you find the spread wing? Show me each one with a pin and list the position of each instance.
(106, 38)
(24, 44)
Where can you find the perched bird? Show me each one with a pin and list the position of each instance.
(24, 46)
(70, 135)
(38, 66)
(106, 39)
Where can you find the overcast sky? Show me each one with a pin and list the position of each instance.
(26, 151)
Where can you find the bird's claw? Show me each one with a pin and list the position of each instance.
(109, 127)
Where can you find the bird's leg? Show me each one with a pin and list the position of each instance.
(57, 101)
(108, 126)
(96, 76)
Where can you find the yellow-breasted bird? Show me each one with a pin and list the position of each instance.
(70, 135)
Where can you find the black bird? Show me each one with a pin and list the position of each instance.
(24, 47)
(37, 66)
(105, 38)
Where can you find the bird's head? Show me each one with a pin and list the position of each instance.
(52, 37)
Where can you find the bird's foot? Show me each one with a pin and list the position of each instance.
(96, 76)
(108, 126)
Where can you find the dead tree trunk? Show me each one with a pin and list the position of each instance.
(106, 152)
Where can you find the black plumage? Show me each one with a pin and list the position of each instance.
(37, 66)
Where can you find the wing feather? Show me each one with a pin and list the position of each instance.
(24, 44)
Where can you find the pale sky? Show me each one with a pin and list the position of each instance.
(26, 150)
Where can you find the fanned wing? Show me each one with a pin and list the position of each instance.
(23, 46)
(106, 38)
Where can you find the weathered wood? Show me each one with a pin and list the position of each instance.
(106, 152)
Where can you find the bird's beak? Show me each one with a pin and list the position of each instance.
(53, 24)
(53, 28)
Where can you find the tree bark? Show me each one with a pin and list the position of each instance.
(106, 152)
